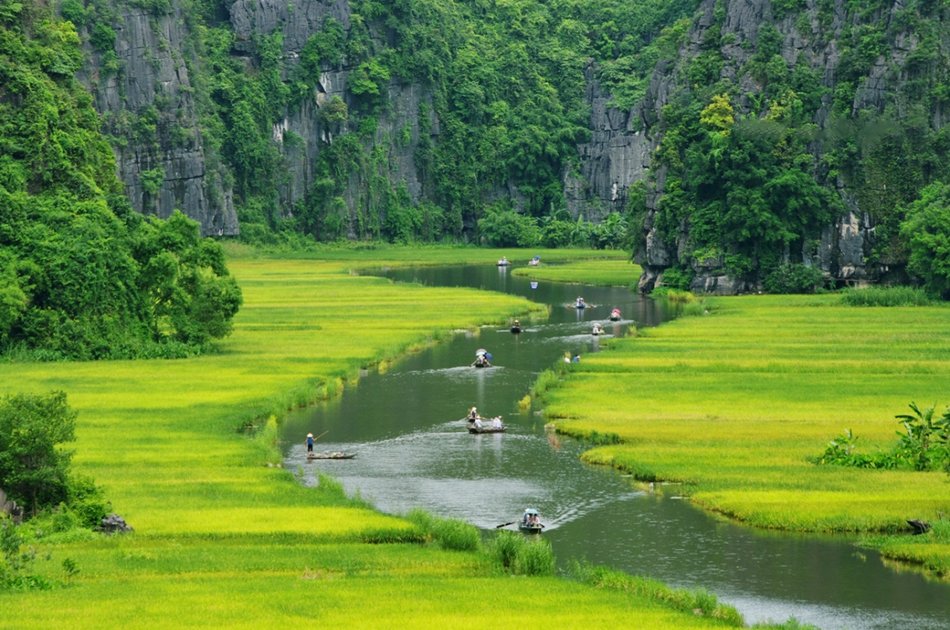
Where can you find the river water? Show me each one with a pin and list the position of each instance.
(413, 450)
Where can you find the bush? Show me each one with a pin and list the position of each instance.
(503, 227)
(794, 278)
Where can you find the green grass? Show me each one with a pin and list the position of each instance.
(735, 402)
(617, 271)
(224, 536)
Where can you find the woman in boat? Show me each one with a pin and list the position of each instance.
(472, 414)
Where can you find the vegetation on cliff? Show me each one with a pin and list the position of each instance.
(81, 275)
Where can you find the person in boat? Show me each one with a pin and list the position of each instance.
(598, 329)
(481, 361)
(579, 302)
(310, 442)
(472, 414)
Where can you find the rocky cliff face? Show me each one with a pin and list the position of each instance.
(146, 99)
(620, 152)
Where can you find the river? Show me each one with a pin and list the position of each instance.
(413, 451)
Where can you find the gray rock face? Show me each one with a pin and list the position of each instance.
(148, 103)
(617, 156)
(296, 21)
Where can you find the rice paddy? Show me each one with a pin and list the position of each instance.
(736, 402)
(185, 451)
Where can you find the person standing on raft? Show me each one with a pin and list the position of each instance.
(310, 442)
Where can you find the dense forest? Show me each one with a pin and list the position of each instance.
(81, 274)
(772, 144)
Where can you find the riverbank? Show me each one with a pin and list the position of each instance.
(185, 451)
(734, 404)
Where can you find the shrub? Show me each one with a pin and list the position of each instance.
(794, 278)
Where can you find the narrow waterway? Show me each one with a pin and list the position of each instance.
(413, 451)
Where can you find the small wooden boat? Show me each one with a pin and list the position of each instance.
(486, 429)
(503, 262)
(515, 329)
(597, 330)
(530, 522)
(486, 425)
(615, 315)
(331, 455)
(534, 262)
(580, 303)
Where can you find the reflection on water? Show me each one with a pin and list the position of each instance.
(414, 451)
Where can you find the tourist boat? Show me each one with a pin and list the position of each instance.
(597, 330)
(503, 262)
(486, 428)
(530, 522)
(516, 327)
(580, 303)
(534, 262)
(482, 358)
(615, 315)
(331, 455)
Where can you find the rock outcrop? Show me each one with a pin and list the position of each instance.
(146, 99)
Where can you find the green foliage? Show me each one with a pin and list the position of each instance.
(926, 229)
(794, 278)
(503, 227)
(885, 296)
(15, 563)
(520, 555)
(73, 279)
(924, 445)
(448, 533)
(33, 467)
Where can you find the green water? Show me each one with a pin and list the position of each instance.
(413, 451)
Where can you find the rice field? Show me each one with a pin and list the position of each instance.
(734, 403)
(185, 451)
(619, 272)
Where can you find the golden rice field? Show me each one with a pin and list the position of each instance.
(223, 536)
(735, 402)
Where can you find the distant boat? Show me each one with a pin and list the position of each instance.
(331, 455)
(534, 262)
(615, 315)
(503, 262)
(516, 328)
(580, 303)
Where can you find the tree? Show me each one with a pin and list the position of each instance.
(926, 228)
(33, 467)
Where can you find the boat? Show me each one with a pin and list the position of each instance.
(597, 330)
(615, 315)
(503, 262)
(580, 303)
(331, 455)
(534, 262)
(482, 358)
(530, 522)
(516, 327)
(485, 425)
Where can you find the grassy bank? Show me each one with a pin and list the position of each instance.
(186, 452)
(734, 403)
(614, 272)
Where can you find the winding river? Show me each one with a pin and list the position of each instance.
(413, 451)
